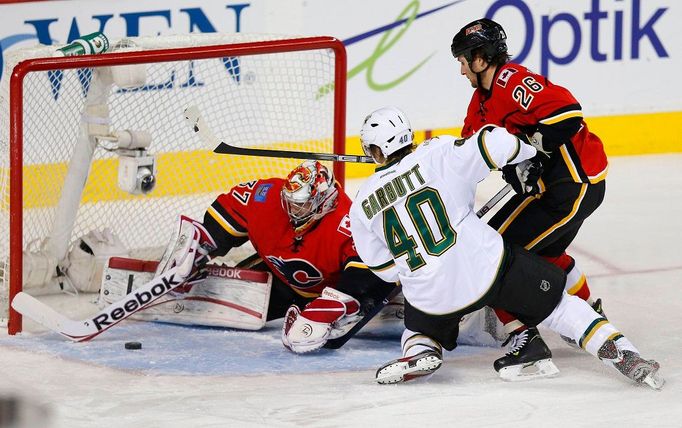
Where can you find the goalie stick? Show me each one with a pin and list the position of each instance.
(193, 117)
(84, 330)
(340, 341)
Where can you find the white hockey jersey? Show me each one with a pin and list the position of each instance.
(413, 221)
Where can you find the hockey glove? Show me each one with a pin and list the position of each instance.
(524, 176)
(188, 247)
(310, 329)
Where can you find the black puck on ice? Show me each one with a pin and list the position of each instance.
(133, 345)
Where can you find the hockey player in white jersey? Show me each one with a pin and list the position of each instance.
(414, 223)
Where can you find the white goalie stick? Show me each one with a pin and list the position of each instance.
(196, 122)
(83, 330)
(340, 341)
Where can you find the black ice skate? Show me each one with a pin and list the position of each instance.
(408, 368)
(528, 357)
(631, 364)
(598, 309)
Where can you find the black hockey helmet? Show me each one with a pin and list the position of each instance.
(481, 33)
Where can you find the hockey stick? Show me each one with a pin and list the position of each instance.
(494, 200)
(340, 341)
(81, 331)
(193, 117)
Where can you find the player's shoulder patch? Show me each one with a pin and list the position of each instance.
(344, 226)
(261, 192)
(505, 75)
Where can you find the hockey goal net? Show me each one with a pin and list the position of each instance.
(71, 127)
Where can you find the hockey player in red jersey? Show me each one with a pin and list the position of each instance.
(571, 158)
(300, 229)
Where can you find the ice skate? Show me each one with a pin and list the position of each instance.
(408, 368)
(631, 364)
(528, 358)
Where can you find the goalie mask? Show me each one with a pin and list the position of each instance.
(308, 194)
(388, 129)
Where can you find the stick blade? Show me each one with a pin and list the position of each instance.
(44, 315)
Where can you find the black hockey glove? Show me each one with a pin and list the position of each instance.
(524, 176)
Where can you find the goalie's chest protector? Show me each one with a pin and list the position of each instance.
(314, 262)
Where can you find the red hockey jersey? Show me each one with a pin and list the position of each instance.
(254, 210)
(520, 100)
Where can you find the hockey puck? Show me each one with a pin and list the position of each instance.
(133, 345)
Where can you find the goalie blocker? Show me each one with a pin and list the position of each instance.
(227, 297)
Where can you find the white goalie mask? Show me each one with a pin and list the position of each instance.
(308, 194)
(388, 129)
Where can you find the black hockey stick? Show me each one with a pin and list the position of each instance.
(193, 117)
(340, 341)
(494, 200)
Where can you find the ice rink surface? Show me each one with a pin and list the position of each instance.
(186, 377)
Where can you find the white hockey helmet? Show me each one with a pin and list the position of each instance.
(308, 194)
(388, 129)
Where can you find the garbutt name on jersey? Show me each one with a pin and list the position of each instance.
(389, 192)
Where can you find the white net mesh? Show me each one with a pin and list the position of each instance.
(277, 100)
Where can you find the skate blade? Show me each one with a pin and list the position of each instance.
(654, 381)
(536, 370)
(402, 371)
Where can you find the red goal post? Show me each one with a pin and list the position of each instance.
(272, 93)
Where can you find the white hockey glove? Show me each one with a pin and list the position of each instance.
(309, 330)
(523, 176)
(189, 248)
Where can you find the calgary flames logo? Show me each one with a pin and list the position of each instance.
(473, 29)
(316, 176)
(299, 273)
(298, 178)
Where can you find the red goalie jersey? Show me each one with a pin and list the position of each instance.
(525, 102)
(253, 211)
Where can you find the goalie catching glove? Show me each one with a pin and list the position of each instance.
(329, 316)
(189, 248)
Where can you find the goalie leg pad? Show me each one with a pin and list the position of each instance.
(481, 328)
(227, 297)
